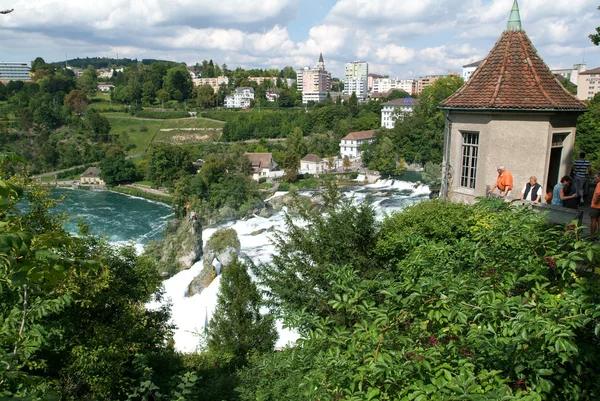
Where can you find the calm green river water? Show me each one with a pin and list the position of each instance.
(119, 217)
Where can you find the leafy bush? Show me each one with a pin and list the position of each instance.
(143, 128)
(492, 304)
(262, 180)
(284, 186)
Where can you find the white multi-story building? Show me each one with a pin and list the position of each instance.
(356, 79)
(314, 83)
(383, 85)
(572, 74)
(240, 98)
(14, 72)
(105, 86)
(350, 144)
(469, 69)
(393, 110)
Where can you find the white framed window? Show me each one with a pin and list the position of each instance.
(470, 155)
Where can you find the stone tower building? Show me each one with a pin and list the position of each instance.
(512, 112)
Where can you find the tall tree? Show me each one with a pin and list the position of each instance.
(205, 96)
(237, 327)
(595, 37)
(89, 81)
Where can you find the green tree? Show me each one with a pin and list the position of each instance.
(77, 101)
(89, 81)
(98, 125)
(237, 327)
(397, 94)
(167, 163)
(178, 83)
(206, 96)
(116, 168)
(595, 37)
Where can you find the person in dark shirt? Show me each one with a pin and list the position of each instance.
(532, 191)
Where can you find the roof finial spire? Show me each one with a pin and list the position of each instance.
(321, 58)
(514, 21)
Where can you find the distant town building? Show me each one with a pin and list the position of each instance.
(105, 86)
(262, 164)
(77, 71)
(392, 110)
(261, 80)
(14, 72)
(356, 75)
(511, 105)
(214, 82)
(387, 84)
(91, 176)
(108, 72)
(193, 73)
(469, 69)
(572, 74)
(349, 146)
(314, 82)
(312, 164)
(424, 82)
(371, 81)
(240, 98)
(272, 94)
(588, 84)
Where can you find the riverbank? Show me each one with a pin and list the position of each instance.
(153, 195)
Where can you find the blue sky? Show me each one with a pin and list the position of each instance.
(403, 38)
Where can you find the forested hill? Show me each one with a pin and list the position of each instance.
(105, 62)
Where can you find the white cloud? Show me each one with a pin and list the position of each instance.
(395, 54)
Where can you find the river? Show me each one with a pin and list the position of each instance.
(122, 218)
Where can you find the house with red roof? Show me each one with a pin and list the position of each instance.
(513, 112)
(350, 144)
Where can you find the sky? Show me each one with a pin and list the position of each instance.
(400, 38)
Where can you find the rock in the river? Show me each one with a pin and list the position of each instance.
(222, 249)
(182, 246)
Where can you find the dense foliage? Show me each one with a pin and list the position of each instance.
(481, 302)
(588, 133)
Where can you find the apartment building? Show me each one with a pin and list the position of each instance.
(424, 82)
(314, 82)
(214, 82)
(394, 109)
(371, 81)
(382, 85)
(356, 77)
(572, 74)
(10, 71)
(588, 84)
(469, 69)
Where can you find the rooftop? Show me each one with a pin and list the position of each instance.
(513, 76)
(311, 158)
(91, 172)
(360, 135)
(259, 160)
(590, 72)
(402, 101)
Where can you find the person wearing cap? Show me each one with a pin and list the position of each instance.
(504, 182)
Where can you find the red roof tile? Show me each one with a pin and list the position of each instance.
(513, 76)
(360, 135)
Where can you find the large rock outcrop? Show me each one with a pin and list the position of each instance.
(220, 250)
(182, 246)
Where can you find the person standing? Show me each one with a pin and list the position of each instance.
(559, 194)
(595, 210)
(532, 191)
(504, 182)
(581, 168)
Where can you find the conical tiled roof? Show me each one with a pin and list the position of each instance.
(513, 76)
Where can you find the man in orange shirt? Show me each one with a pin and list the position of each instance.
(504, 182)
(595, 210)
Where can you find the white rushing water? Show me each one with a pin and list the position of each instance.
(190, 314)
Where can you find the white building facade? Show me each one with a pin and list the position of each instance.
(14, 72)
(314, 82)
(350, 144)
(572, 74)
(240, 99)
(356, 79)
(394, 109)
(383, 85)
(469, 69)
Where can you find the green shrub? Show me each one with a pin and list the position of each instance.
(162, 115)
(262, 180)
(284, 186)
(143, 128)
